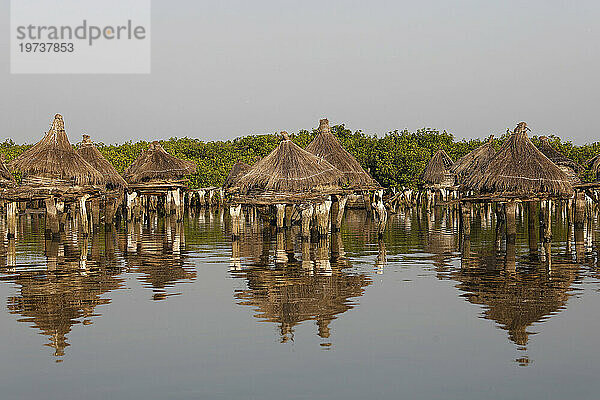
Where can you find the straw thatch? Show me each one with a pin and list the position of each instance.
(54, 161)
(568, 166)
(520, 169)
(594, 164)
(437, 172)
(290, 169)
(237, 171)
(327, 146)
(155, 164)
(92, 155)
(477, 160)
(6, 178)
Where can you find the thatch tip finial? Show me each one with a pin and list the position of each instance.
(324, 126)
(522, 127)
(285, 135)
(58, 124)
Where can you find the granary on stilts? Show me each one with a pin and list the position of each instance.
(153, 176)
(294, 183)
(354, 178)
(113, 184)
(52, 172)
(438, 180)
(518, 173)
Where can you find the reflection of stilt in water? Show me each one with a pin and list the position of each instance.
(337, 249)
(531, 229)
(280, 249)
(307, 263)
(11, 253)
(381, 257)
(83, 254)
(235, 263)
(579, 244)
(322, 262)
(465, 261)
(510, 261)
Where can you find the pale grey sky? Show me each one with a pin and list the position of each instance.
(223, 69)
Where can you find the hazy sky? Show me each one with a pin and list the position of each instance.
(223, 69)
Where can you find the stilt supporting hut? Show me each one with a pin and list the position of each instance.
(290, 184)
(53, 173)
(519, 173)
(114, 184)
(354, 178)
(156, 175)
(439, 181)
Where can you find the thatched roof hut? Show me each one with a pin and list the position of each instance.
(290, 169)
(327, 146)
(476, 160)
(53, 161)
(155, 164)
(568, 166)
(520, 169)
(92, 155)
(6, 178)
(237, 171)
(437, 172)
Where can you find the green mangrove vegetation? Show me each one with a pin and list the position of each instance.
(394, 160)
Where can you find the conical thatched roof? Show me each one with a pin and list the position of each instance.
(155, 164)
(53, 159)
(5, 176)
(556, 156)
(327, 146)
(237, 171)
(519, 168)
(92, 155)
(476, 160)
(437, 170)
(290, 169)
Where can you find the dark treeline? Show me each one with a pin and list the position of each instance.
(394, 160)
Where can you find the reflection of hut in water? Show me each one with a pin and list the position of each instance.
(159, 258)
(64, 295)
(516, 299)
(317, 289)
(568, 166)
(477, 159)
(328, 147)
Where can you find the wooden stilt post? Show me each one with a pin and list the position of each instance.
(95, 203)
(547, 221)
(235, 212)
(307, 215)
(338, 209)
(381, 212)
(52, 221)
(280, 216)
(510, 210)
(465, 218)
(531, 231)
(322, 217)
(580, 205)
(11, 220)
(83, 214)
(289, 210)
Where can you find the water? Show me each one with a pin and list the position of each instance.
(178, 311)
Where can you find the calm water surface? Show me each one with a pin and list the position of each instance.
(179, 311)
